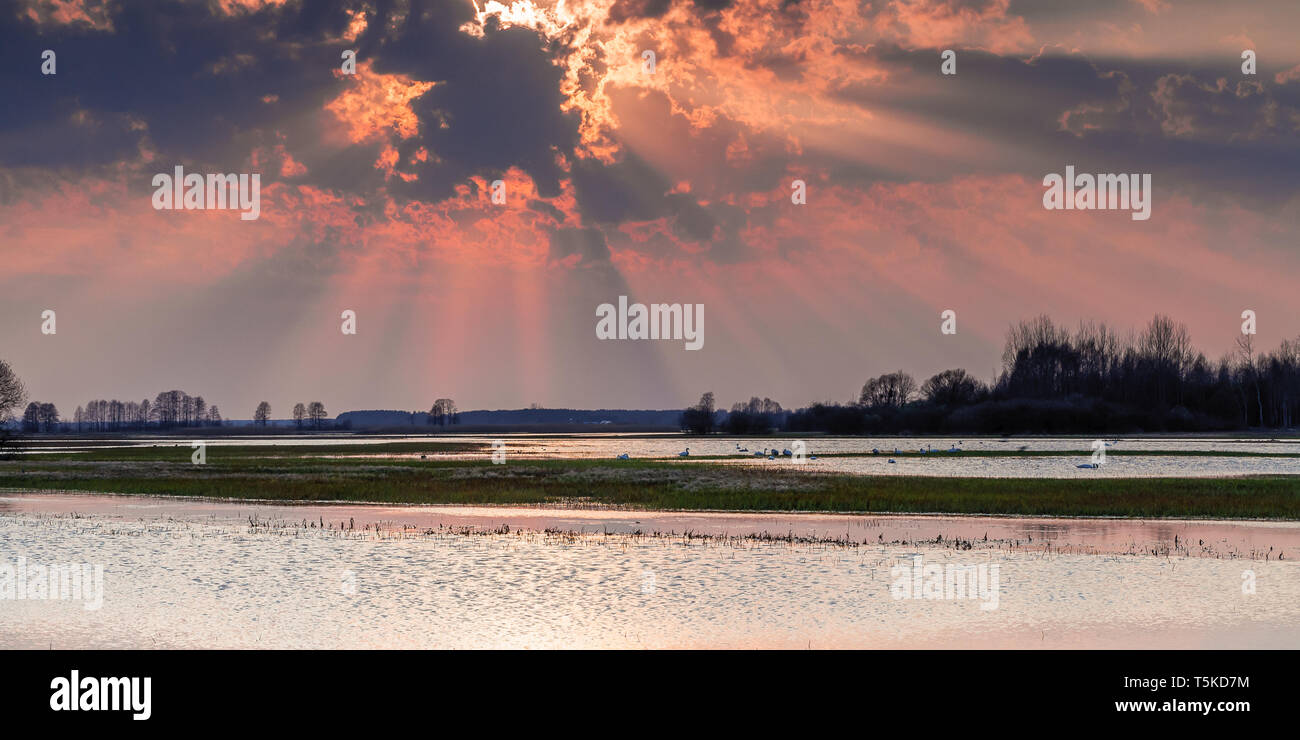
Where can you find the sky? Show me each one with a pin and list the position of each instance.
(672, 184)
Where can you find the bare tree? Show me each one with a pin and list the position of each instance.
(698, 419)
(49, 417)
(1025, 336)
(12, 392)
(263, 414)
(755, 417)
(1250, 374)
(443, 410)
(32, 417)
(299, 413)
(1166, 349)
(952, 388)
(890, 390)
(316, 412)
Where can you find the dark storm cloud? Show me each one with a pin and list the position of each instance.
(191, 83)
(194, 79)
(632, 190)
(543, 207)
(588, 243)
(624, 10)
(727, 245)
(786, 67)
(692, 221)
(204, 89)
(1117, 115)
(1039, 10)
(499, 95)
(197, 82)
(629, 190)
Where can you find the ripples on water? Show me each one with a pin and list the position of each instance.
(210, 581)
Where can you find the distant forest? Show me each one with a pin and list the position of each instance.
(1055, 381)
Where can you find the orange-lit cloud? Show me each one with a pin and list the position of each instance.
(375, 106)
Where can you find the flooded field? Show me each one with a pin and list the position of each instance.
(1048, 466)
(990, 457)
(187, 573)
(669, 445)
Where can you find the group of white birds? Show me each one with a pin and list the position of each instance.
(771, 455)
(928, 449)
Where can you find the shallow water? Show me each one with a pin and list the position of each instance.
(1127, 466)
(196, 574)
(587, 446)
(669, 445)
(1207, 538)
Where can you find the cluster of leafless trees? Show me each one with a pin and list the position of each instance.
(754, 417)
(701, 418)
(1058, 380)
(444, 411)
(1157, 371)
(312, 414)
(169, 409)
(40, 417)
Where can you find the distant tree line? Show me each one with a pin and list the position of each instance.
(1054, 380)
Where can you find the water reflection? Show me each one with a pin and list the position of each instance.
(184, 573)
(1205, 538)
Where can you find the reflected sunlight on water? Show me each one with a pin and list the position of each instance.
(209, 580)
